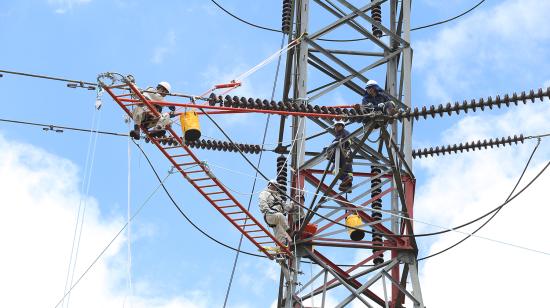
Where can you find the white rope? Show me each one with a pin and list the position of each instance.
(415, 220)
(88, 167)
(129, 241)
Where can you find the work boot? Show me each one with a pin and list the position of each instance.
(346, 184)
(135, 133)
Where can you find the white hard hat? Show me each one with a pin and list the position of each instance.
(340, 122)
(273, 182)
(165, 85)
(371, 83)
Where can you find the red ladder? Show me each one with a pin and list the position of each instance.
(199, 175)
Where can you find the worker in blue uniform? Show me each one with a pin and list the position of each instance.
(345, 161)
(376, 100)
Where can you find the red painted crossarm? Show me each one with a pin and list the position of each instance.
(208, 185)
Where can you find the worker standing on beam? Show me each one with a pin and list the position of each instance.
(141, 114)
(376, 100)
(274, 210)
(345, 160)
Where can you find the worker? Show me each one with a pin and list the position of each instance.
(345, 162)
(141, 114)
(274, 210)
(376, 100)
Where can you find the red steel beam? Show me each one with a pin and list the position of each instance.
(280, 112)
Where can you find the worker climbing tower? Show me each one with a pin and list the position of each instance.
(387, 273)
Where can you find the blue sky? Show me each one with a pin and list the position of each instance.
(499, 48)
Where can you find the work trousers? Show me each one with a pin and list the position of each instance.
(139, 113)
(281, 225)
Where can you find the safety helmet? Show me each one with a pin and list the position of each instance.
(371, 83)
(165, 85)
(341, 122)
(273, 182)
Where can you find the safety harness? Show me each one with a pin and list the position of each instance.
(273, 210)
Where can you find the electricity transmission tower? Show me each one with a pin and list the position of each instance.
(391, 244)
(372, 221)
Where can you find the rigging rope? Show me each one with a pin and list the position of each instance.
(85, 186)
(161, 181)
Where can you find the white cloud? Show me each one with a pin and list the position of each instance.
(484, 48)
(166, 48)
(40, 196)
(462, 187)
(63, 6)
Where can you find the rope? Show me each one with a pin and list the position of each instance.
(112, 240)
(254, 183)
(77, 234)
(128, 212)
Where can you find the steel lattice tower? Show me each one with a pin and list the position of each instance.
(391, 244)
(383, 194)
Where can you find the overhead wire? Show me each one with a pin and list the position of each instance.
(495, 211)
(257, 255)
(72, 83)
(454, 229)
(196, 227)
(355, 39)
(341, 224)
(264, 178)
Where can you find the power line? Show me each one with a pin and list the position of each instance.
(199, 228)
(495, 211)
(244, 21)
(367, 231)
(71, 83)
(349, 40)
(257, 255)
(59, 129)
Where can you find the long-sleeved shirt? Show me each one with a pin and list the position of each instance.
(342, 135)
(374, 101)
(151, 94)
(271, 202)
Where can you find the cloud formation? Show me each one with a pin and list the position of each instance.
(40, 200)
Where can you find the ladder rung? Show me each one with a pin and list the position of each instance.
(260, 236)
(246, 225)
(196, 171)
(223, 199)
(226, 206)
(199, 179)
(187, 164)
(253, 231)
(180, 155)
(168, 148)
(205, 186)
(265, 242)
(244, 218)
(215, 193)
(123, 95)
(233, 213)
